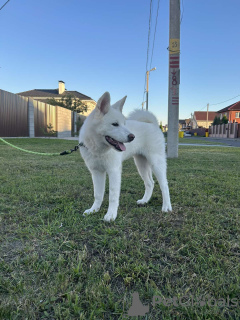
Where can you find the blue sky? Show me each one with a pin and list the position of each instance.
(97, 46)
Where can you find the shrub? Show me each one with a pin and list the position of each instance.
(48, 131)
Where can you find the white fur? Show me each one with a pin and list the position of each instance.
(143, 116)
(148, 150)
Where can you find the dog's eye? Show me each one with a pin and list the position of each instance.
(115, 124)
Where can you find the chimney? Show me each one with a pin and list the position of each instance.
(61, 87)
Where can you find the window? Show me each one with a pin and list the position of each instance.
(237, 115)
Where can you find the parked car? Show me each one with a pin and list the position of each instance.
(187, 134)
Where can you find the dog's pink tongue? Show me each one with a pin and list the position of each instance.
(122, 146)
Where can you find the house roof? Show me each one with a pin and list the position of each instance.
(52, 93)
(232, 107)
(202, 115)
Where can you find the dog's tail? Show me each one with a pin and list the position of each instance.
(143, 116)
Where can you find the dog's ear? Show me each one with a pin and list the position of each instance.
(103, 103)
(119, 104)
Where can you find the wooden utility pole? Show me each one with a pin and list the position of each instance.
(174, 79)
(207, 114)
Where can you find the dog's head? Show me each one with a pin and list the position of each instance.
(111, 123)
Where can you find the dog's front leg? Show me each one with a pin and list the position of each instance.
(98, 179)
(114, 193)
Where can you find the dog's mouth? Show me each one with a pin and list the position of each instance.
(119, 146)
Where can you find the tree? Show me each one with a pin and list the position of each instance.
(161, 127)
(69, 102)
(216, 121)
(224, 120)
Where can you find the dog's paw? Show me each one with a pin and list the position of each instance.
(91, 210)
(167, 208)
(87, 212)
(109, 216)
(141, 202)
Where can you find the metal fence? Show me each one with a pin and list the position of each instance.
(25, 117)
(13, 115)
(45, 115)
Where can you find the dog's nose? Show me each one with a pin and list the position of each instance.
(131, 137)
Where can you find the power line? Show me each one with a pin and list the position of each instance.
(214, 104)
(182, 11)
(154, 33)
(149, 32)
(203, 108)
(4, 4)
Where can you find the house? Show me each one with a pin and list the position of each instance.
(44, 94)
(202, 119)
(232, 112)
(182, 124)
(188, 123)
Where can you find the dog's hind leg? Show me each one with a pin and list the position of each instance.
(145, 172)
(99, 179)
(159, 168)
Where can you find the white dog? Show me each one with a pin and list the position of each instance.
(102, 139)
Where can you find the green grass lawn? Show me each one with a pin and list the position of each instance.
(199, 140)
(56, 264)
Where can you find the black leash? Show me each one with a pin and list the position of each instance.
(81, 144)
